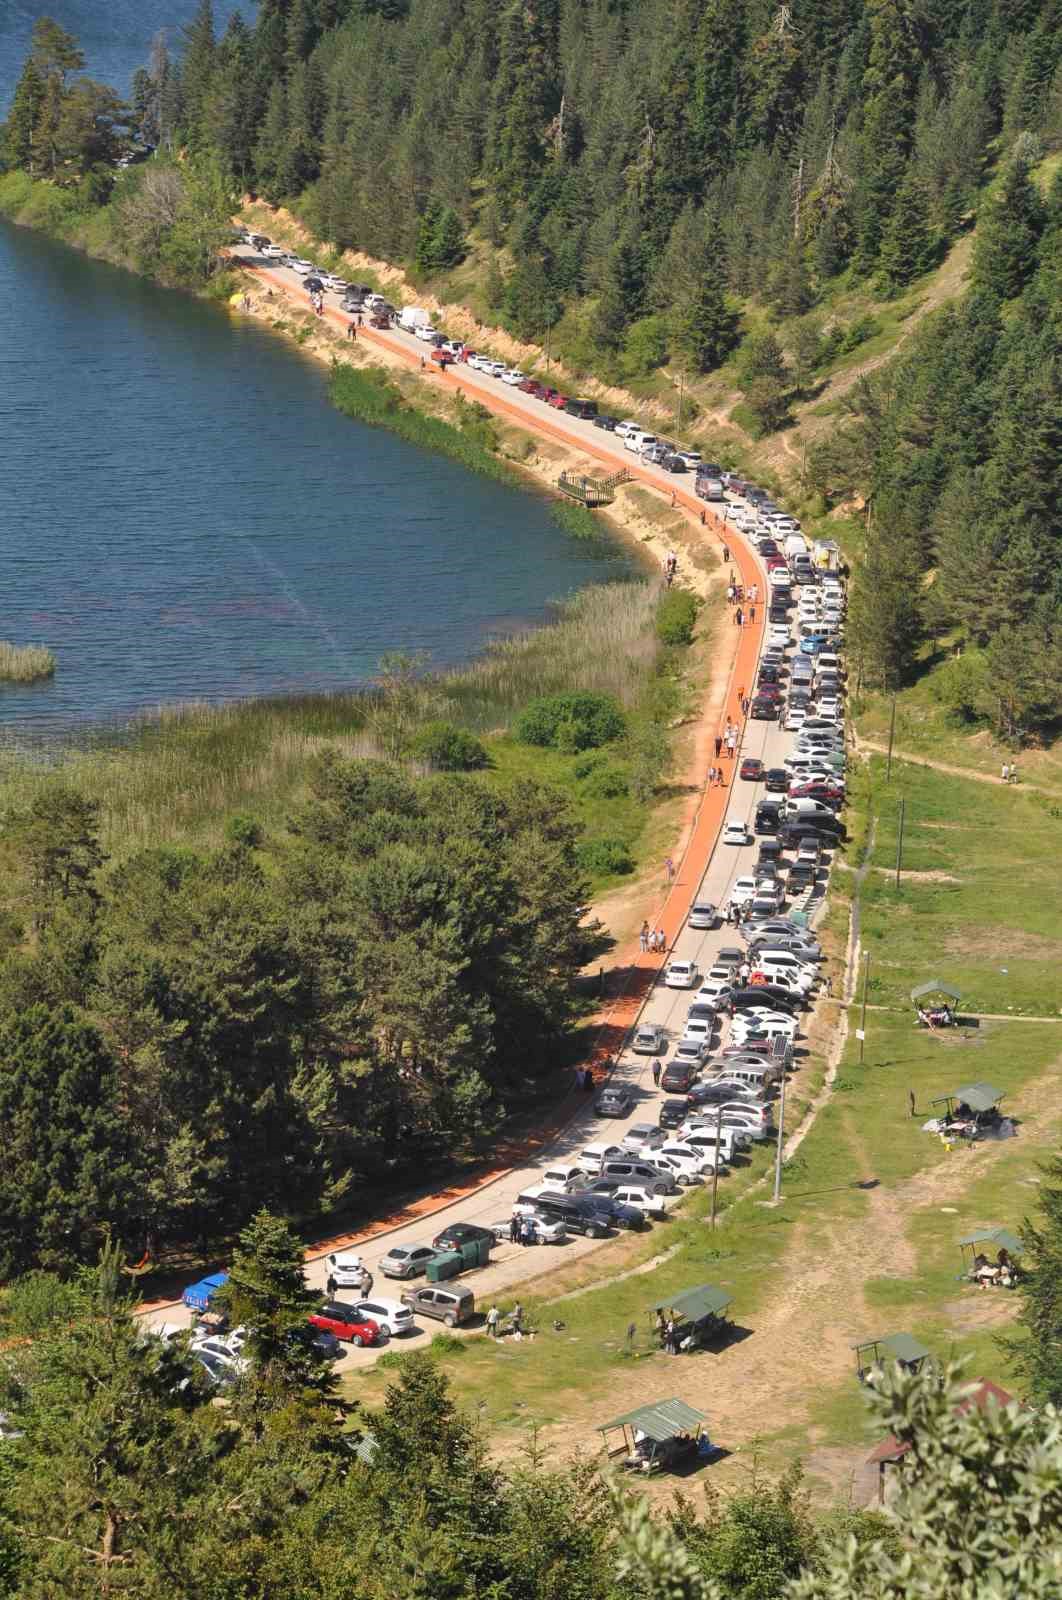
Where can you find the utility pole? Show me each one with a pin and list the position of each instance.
(863, 1017)
(682, 380)
(549, 335)
(892, 730)
(781, 1140)
(715, 1169)
(899, 840)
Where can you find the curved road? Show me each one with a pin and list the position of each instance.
(707, 870)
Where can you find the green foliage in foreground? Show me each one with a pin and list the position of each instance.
(676, 614)
(1038, 1346)
(190, 1034)
(166, 1496)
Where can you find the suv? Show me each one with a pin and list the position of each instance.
(450, 1305)
(577, 1215)
(673, 1113)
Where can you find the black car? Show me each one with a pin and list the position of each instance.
(673, 463)
(757, 993)
(824, 830)
(779, 609)
(767, 547)
(800, 876)
(770, 850)
(769, 673)
(609, 424)
(768, 819)
(587, 409)
(677, 1079)
(799, 699)
(613, 1102)
(710, 1094)
(673, 1113)
(314, 285)
(459, 1233)
(776, 780)
(762, 710)
(614, 1212)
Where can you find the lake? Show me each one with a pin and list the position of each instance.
(183, 515)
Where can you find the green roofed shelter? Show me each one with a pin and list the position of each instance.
(924, 990)
(696, 1304)
(980, 1097)
(1001, 1238)
(902, 1348)
(699, 1314)
(654, 1437)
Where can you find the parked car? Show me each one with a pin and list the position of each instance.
(448, 1303)
(682, 975)
(650, 1039)
(678, 1077)
(614, 1102)
(751, 769)
(548, 1230)
(642, 1137)
(390, 1316)
(703, 914)
(763, 709)
(378, 320)
(407, 1260)
(459, 1233)
(344, 1269)
(672, 1114)
(608, 423)
(736, 833)
(645, 1200)
(442, 356)
(337, 1317)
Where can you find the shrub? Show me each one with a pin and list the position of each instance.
(570, 721)
(449, 749)
(605, 855)
(242, 829)
(675, 615)
(607, 782)
(858, 333)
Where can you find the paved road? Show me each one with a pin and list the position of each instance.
(512, 1264)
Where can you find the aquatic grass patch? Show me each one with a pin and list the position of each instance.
(27, 663)
(368, 395)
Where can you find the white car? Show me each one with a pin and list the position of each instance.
(682, 975)
(428, 333)
(829, 706)
(686, 1165)
(744, 890)
(480, 363)
(778, 634)
(546, 1231)
(345, 1270)
(622, 429)
(274, 252)
(494, 369)
(642, 1199)
(698, 1029)
(331, 280)
(513, 376)
(794, 720)
(715, 992)
(736, 833)
(756, 1021)
(391, 1316)
(219, 1350)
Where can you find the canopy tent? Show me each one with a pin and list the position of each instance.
(199, 1295)
(656, 1435)
(902, 1348)
(696, 1304)
(934, 987)
(999, 1238)
(980, 1097)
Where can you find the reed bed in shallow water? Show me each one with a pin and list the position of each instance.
(25, 663)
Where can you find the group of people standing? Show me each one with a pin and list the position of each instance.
(668, 1334)
(670, 567)
(652, 939)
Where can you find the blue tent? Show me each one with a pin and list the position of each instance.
(199, 1295)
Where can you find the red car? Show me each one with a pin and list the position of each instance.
(379, 321)
(531, 386)
(346, 1323)
(776, 561)
(768, 691)
(467, 354)
(752, 769)
(547, 395)
(443, 357)
(558, 401)
(829, 793)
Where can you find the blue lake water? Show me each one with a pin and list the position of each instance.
(183, 516)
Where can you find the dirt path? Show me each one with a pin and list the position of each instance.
(945, 767)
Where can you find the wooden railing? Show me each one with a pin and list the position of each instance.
(592, 491)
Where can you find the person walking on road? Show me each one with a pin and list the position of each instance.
(752, 614)
(669, 869)
(718, 744)
(514, 1228)
(643, 937)
(366, 1283)
(726, 549)
(656, 1072)
(492, 1322)
(661, 940)
(352, 329)
(711, 776)
(739, 617)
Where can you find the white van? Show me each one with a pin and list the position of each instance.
(755, 1079)
(772, 961)
(711, 1142)
(806, 806)
(638, 441)
(795, 545)
(591, 1157)
(413, 317)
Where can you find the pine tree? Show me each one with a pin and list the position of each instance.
(270, 152)
(26, 107)
(197, 68)
(890, 87)
(703, 328)
(1011, 224)
(885, 617)
(908, 247)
